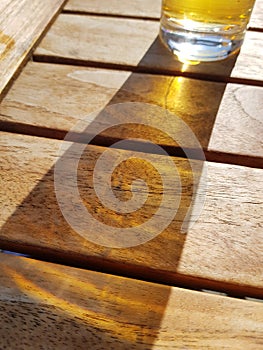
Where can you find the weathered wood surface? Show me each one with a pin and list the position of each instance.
(21, 24)
(256, 21)
(238, 127)
(225, 118)
(49, 306)
(222, 250)
(135, 8)
(82, 40)
(141, 8)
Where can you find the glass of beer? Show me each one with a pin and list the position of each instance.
(204, 30)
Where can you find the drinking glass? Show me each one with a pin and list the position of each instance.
(204, 30)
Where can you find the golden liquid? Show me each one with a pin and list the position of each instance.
(221, 12)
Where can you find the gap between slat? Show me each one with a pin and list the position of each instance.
(211, 156)
(142, 18)
(128, 270)
(144, 70)
(112, 15)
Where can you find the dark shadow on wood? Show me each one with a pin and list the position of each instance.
(38, 228)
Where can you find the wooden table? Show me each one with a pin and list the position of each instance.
(61, 63)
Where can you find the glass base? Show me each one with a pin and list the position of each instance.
(207, 44)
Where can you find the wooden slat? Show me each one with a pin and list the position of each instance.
(135, 8)
(100, 36)
(225, 119)
(108, 42)
(256, 20)
(238, 128)
(222, 250)
(44, 305)
(21, 24)
(141, 8)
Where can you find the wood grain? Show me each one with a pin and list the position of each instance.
(95, 38)
(136, 8)
(223, 250)
(256, 21)
(140, 51)
(44, 305)
(21, 24)
(225, 118)
(142, 8)
(239, 123)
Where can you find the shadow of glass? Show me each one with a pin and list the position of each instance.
(37, 227)
(159, 59)
(195, 101)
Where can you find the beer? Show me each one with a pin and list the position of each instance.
(204, 30)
